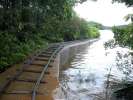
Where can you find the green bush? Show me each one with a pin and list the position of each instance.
(13, 51)
(94, 32)
(77, 28)
(124, 35)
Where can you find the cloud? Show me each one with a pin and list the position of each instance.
(103, 11)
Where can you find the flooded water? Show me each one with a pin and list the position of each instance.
(99, 71)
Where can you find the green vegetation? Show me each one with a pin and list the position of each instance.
(98, 25)
(27, 25)
(13, 51)
(95, 24)
(124, 37)
(124, 34)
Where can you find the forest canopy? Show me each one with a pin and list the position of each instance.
(27, 25)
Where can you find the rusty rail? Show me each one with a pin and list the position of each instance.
(34, 92)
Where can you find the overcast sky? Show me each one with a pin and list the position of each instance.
(103, 11)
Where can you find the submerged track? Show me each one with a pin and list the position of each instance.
(27, 82)
(31, 81)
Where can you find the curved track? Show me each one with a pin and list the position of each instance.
(31, 81)
(27, 83)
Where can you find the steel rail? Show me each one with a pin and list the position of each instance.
(25, 63)
(35, 88)
(29, 61)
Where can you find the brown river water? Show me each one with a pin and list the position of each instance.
(98, 70)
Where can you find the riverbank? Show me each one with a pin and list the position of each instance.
(96, 72)
(51, 79)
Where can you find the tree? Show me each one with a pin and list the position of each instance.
(129, 16)
(129, 3)
(27, 24)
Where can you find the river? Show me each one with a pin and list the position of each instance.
(97, 72)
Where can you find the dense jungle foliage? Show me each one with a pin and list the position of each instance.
(124, 37)
(27, 25)
(124, 34)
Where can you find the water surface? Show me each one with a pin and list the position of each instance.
(96, 72)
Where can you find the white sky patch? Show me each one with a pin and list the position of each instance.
(104, 12)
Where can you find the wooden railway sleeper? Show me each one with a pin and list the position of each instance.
(22, 92)
(33, 71)
(42, 65)
(43, 59)
(30, 80)
(43, 55)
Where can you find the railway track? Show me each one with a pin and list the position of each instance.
(28, 82)
(31, 81)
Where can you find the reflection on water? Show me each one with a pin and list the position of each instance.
(101, 71)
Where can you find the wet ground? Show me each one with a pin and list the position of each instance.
(45, 90)
(99, 71)
(22, 86)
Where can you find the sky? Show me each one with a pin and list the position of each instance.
(104, 12)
